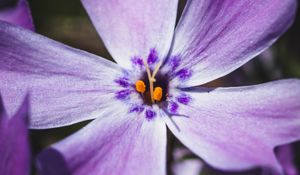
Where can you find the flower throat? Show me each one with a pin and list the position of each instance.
(153, 86)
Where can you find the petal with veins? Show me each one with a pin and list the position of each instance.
(132, 28)
(237, 128)
(215, 37)
(66, 85)
(118, 144)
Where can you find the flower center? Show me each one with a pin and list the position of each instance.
(152, 86)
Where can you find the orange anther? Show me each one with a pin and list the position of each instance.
(157, 94)
(140, 86)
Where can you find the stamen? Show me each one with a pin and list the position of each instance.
(140, 86)
(157, 94)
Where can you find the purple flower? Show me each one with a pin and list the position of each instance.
(230, 128)
(14, 145)
(16, 12)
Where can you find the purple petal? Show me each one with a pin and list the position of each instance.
(132, 28)
(216, 37)
(118, 144)
(19, 14)
(2, 108)
(57, 165)
(237, 128)
(185, 165)
(66, 85)
(285, 155)
(14, 145)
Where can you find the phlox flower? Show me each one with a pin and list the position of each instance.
(155, 84)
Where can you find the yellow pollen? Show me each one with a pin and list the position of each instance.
(140, 86)
(157, 94)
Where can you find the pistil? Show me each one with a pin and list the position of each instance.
(155, 71)
(150, 79)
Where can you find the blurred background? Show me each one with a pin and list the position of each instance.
(66, 21)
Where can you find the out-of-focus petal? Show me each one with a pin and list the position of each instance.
(132, 28)
(285, 155)
(118, 144)
(14, 145)
(66, 85)
(187, 167)
(18, 14)
(184, 165)
(238, 128)
(215, 37)
(207, 170)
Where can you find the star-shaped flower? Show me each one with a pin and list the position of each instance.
(154, 84)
